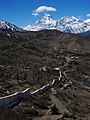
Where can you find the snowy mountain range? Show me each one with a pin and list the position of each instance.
(8, 26)
(65, 24)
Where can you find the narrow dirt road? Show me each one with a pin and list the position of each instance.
(59, 105)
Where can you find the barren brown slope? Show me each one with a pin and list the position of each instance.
(27, 47)
(36, 50)
(57, 40)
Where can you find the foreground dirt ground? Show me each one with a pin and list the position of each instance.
(73, 101)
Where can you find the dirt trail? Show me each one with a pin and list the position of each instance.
(49, 117)
(59, 105)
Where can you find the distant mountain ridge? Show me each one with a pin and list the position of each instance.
(9, 26)
(65, 24)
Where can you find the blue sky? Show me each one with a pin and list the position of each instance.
(20, 12)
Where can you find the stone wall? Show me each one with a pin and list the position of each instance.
(12, 100)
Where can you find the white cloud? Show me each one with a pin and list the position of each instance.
(40, 9)
(88, 15)
(45, 8)
(35, 14)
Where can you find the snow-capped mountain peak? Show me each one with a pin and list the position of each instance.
(8, 26)
(47, 16)
(47, 19)
(46, 22)
(65, 24)
(87, 21)
(67, 19)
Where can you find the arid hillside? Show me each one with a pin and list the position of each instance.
(31, 60)
(55, 40)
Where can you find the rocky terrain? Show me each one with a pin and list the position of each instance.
(33, 59)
